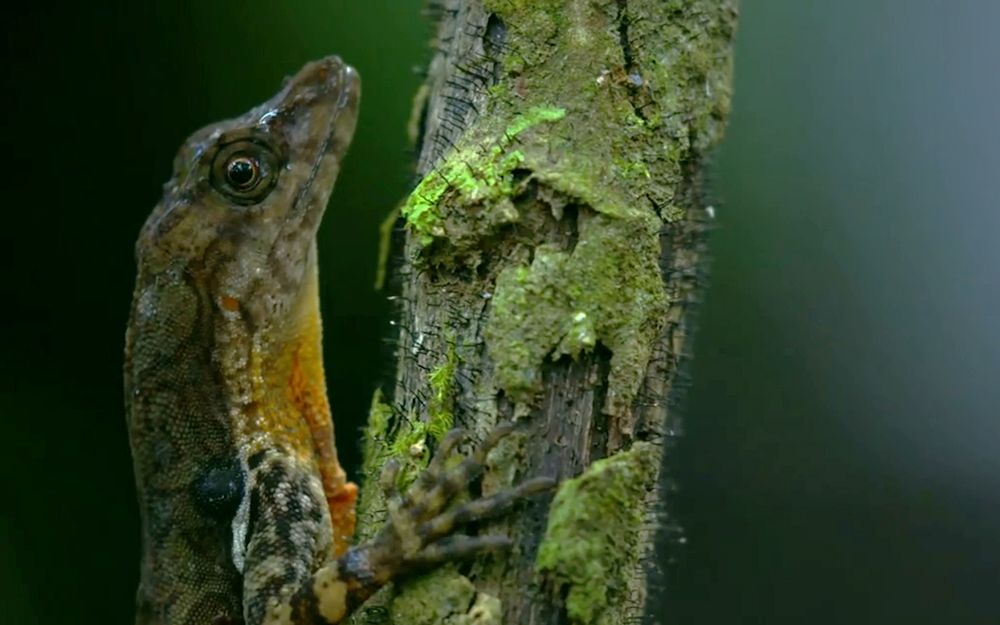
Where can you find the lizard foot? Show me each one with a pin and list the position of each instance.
(420, 528)
(419, 532)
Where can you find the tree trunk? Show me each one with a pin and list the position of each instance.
(550, 256)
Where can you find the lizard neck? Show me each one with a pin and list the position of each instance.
(273, 371)
(277, 387)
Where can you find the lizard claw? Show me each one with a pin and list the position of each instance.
(420, 529)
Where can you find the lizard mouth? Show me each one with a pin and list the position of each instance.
(314, 115)
(323, 100)
(319, 106)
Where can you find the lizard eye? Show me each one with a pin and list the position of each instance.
(245, 171)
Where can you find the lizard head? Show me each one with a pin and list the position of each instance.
(241, 210)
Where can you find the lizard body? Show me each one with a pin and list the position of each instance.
(246, 513)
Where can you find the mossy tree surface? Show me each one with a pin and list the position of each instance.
(550, 254)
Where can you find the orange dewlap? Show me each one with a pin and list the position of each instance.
(307, 391)
(290, 392)
(306, 387)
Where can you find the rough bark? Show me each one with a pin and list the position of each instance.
(550, 256)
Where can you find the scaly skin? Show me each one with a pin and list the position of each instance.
(246, 513)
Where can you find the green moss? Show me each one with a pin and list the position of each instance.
(632, 168)
(618, 154)
(408, 444)
(441, 405)
(533, 117)
(478, 174)
(506, 7)
(375, 453)
(444, 597)
(606, 289)
(592, 534)
(486, 610)
(374, 445)
(434, 599)
(539, 20)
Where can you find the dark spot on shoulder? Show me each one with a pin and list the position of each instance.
(218, 490)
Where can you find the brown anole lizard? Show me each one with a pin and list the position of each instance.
(246, 513)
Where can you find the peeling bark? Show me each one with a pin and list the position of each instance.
(550, 257)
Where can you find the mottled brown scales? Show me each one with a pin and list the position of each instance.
(246, 511)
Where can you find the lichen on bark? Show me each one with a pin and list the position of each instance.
(445, 597)
(591, 538)
(606, 289)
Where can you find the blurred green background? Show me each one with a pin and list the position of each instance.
(840, 458)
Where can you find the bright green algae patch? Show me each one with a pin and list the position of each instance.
(592, 534)
(480, 173)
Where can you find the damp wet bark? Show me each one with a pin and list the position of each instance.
(545, 269)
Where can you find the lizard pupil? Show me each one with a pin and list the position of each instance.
(242, 171)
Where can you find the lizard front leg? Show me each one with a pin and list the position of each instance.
(419, 533)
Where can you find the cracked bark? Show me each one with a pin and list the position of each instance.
(653, 77)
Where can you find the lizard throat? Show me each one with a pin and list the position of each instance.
(286, 408)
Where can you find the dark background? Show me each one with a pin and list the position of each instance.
(840, 459)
